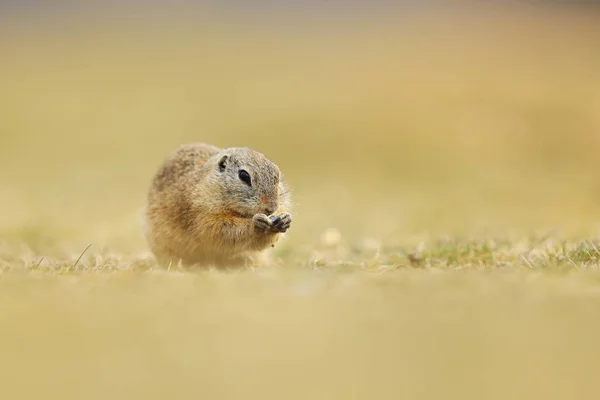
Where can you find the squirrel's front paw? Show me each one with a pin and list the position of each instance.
(262, 223)
(281, 223)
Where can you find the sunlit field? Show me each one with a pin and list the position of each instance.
(446, 175)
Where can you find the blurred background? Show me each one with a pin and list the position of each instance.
(388, 119)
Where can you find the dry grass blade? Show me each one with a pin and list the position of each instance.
(81, 255)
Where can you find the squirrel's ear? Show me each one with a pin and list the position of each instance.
(223, 163)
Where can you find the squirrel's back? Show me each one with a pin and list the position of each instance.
(181, 164)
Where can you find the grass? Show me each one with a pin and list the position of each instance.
(445, 241)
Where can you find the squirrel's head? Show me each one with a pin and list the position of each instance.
(248, 182)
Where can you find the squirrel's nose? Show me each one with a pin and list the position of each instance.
(271, 208)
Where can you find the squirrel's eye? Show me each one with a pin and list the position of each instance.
(245, 177)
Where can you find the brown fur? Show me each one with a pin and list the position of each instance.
(199, 213)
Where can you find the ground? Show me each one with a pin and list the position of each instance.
(446, 179)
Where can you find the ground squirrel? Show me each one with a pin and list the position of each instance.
(213, 206)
